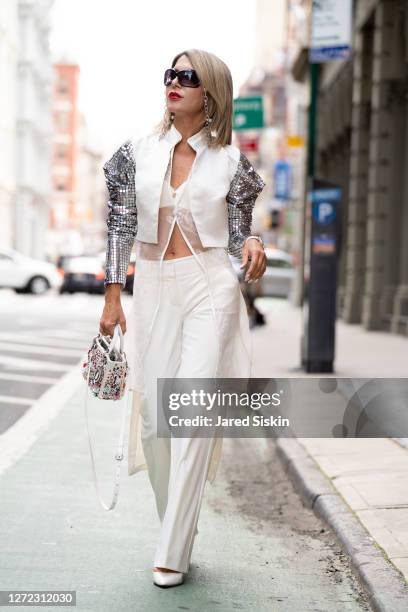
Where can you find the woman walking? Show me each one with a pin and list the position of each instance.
(186, 195)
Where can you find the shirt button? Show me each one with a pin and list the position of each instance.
(174, 195)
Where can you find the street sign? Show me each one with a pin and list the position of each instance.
(282, 174)
(331, 30)
(323, 202)
(295, 141)
(248, 145)
(248, 113)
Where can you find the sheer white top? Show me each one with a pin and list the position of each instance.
(174, 208)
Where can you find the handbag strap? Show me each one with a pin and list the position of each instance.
(117, 332)
(119, 455)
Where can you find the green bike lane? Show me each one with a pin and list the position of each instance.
(257, 548)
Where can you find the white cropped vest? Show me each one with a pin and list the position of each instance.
(222, 189)
(210, 180)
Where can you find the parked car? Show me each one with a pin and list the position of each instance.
(81, 273)
(278, 276)
(130, 274)
(27, 274)
(128, 288)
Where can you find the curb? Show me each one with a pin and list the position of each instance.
(385, 586)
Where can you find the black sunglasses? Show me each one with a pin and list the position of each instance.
(186, 78)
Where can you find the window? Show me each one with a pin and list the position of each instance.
(61, 151)
(63, 86)
(62, 120)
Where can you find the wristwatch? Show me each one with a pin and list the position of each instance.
(257, 238)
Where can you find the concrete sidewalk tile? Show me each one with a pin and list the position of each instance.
(401, 563)
(361, 463)
(380, 455)
(389, 527)
(351, 495)
(374, 489)
(345, 446)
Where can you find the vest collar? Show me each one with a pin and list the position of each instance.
(196, 141)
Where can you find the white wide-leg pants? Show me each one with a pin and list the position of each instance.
(183, 344)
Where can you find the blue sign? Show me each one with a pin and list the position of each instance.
(282, 175)
(327, 54)
(324, 212)
(331, 30)
(322, 194)
(324, 203)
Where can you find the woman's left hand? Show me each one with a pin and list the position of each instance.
(253, 250)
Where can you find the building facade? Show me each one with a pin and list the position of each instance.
(25, 124)
(77, 206)
(63, 238)
(34, 78)
(8, 118)
(362, 144)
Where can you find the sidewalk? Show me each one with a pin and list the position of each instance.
(371, 475)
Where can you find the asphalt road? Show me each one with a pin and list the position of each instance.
(41, 338)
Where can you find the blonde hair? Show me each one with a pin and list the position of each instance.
(216, 79)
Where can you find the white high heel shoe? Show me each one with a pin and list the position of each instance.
(167, 579)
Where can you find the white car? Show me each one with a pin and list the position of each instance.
(27, 275)
(278, 277)
(279, 274)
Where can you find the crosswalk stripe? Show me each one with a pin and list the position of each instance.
(66, 333)
(10, 399)
(28, 338)
(42, 380)
(34, 364)
(41, 350)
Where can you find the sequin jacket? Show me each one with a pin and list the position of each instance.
(224, 188)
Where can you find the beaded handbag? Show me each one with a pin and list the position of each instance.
(105, 371)
(106, 368)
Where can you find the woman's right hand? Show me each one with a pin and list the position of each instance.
(111, 315)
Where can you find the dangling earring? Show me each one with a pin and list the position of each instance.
(170, 116)
(167, 121)
(208, 119)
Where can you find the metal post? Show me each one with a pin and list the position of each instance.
(310, 161)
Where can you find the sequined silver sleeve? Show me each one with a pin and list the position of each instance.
(244, 190)
(122, 213)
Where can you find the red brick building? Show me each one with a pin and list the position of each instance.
(65, 147)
